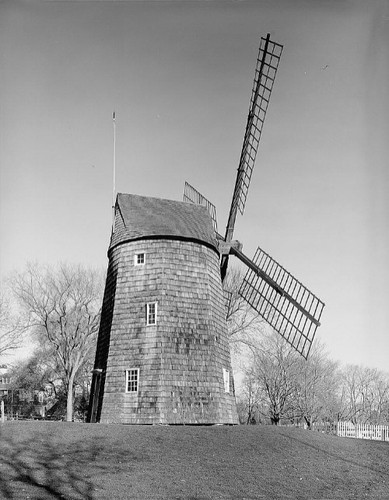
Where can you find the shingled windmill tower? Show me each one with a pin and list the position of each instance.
(162, 352)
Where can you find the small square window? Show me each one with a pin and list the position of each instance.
(151, 313)
(139, 259)
(226, 379)
(132, 380)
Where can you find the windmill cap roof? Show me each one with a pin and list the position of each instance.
(143, 217)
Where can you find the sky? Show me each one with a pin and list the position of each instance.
(179, 76)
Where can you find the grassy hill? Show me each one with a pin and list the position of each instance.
(46, 460)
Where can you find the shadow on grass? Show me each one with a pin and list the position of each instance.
(40, 467)
(336, 456)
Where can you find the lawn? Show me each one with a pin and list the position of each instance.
(47, 460)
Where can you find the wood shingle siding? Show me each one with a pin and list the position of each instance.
(180, 358)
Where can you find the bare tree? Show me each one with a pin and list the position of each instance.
(364, 395)
(10, 330)
(382, 398)
(275, 367)
(315, 397)
(63, 307)
(249, 399)
(244, 324)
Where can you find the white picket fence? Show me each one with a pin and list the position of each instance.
(363, 431)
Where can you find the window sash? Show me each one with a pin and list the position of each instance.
(140, 259)
(132, 380)
(151, 313)
(226, 379)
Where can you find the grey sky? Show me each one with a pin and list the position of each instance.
(179, 76)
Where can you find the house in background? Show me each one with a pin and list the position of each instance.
(24, 403)
(5, 381)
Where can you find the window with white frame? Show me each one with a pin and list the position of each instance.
(132, 380)
(151, 313)
(139, 259)
(226, 379)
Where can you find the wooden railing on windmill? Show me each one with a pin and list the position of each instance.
(285, 303)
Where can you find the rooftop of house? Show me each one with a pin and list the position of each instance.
(144, 217)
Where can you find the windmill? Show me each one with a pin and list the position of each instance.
(162, 353)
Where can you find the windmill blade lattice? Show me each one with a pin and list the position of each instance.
(287, 305)
(191, 195)
(265, 72)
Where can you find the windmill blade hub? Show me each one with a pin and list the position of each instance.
(227, 248)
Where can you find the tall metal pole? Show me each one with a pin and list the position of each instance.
(114, 167)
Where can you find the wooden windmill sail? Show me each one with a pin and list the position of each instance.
(285, 303)
(162, 352)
